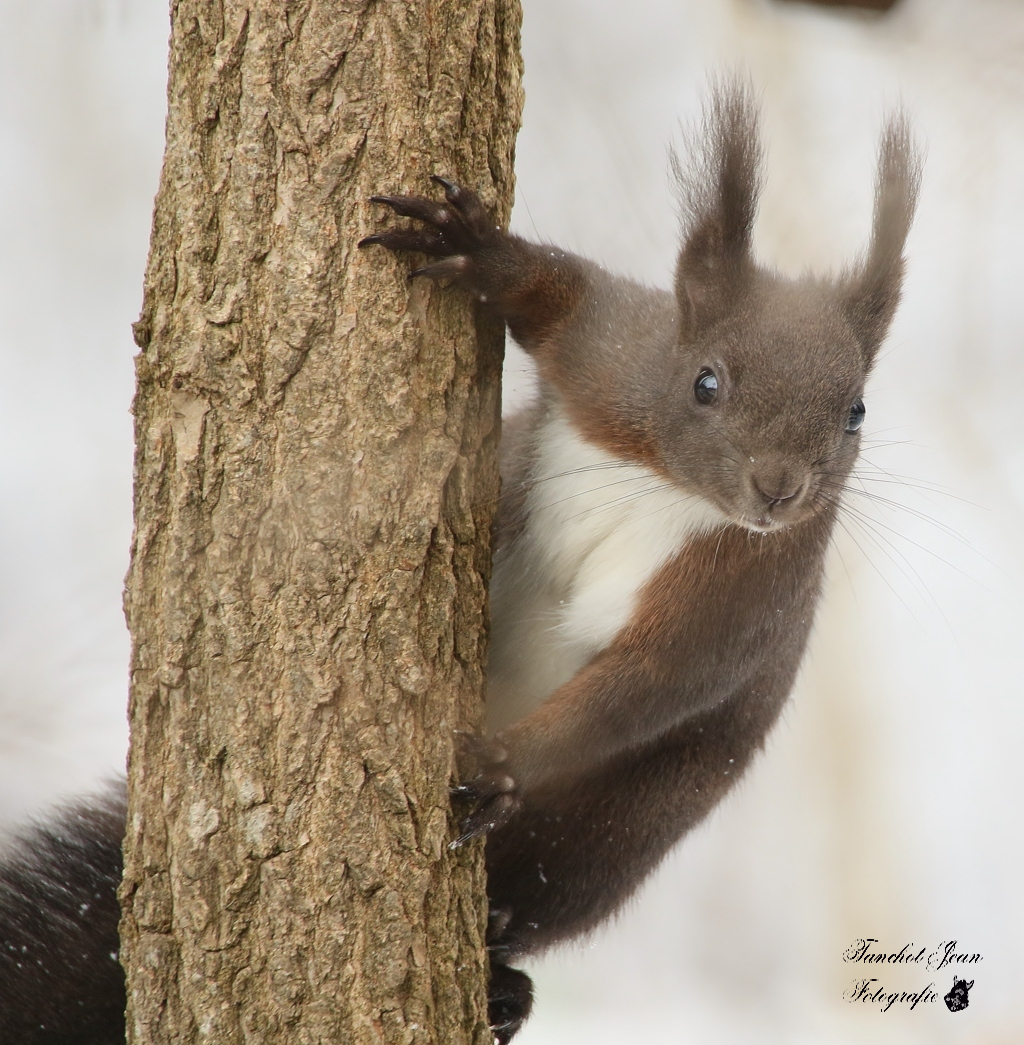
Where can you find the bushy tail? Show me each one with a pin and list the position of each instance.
(60, 980)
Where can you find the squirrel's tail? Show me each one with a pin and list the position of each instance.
(60, 980)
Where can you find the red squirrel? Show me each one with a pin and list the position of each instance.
(666, 508)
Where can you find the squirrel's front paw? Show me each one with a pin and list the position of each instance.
(455, 229)
(491, 788)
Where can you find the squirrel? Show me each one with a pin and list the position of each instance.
(666, 508)
(667, 503)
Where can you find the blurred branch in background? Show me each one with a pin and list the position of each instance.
(867, 5)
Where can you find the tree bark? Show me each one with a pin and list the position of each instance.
(315, 479)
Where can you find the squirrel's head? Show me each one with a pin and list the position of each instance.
(761, 412)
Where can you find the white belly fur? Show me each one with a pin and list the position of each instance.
(598, 529)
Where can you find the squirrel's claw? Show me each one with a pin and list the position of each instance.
(494, 813)
(453, 266)
(451, 189)
(492, 790)
(454, 229)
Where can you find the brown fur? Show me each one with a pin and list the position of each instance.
(584, 796)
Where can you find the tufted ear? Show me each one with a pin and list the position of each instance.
(872, 292)
(718, 188)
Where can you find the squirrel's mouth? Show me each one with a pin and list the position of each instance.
(776, 515)
(765, 524)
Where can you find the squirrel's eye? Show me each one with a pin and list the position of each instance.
(856, 418)
(705, 388)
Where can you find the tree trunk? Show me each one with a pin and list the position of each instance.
(315, 479)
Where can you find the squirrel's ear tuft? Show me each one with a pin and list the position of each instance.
(719, 184)
(872, 292)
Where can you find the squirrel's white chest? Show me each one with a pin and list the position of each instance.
(598, 529)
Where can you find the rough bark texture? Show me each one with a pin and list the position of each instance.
(315, 476)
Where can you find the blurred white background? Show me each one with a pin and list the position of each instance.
(887, 804)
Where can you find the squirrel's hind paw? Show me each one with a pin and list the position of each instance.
(509, 1001)
(491, 790)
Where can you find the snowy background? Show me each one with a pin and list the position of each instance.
(888, 803)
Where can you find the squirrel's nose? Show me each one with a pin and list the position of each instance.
(778, 488)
